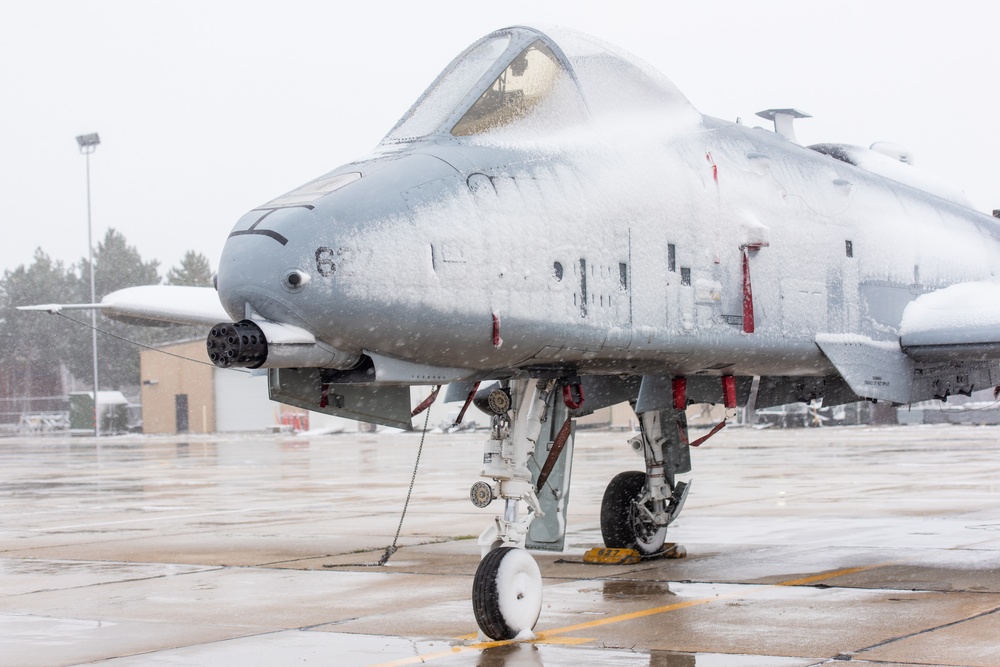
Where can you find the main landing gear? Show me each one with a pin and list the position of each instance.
(637, 507)
(636, 510)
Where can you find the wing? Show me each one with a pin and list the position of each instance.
(957, 323)
(154, 304)
(949, 343)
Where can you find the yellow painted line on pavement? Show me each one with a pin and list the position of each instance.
(806, 581)
(564, 641)
(553, 636)
(694, 603)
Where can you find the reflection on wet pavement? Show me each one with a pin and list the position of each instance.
(805, 547)
(619, 589)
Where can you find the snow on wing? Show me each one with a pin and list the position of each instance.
(962, 320)
(154, 304)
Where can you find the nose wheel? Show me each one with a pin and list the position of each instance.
(507, 593)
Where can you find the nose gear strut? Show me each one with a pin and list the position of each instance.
(507, 588)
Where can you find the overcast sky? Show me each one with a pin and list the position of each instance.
(206, 110)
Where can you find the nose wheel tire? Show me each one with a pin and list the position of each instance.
(623, 526)
(507, 593)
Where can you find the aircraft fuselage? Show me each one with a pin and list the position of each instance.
(618, 252)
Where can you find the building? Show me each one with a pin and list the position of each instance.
(183, 392)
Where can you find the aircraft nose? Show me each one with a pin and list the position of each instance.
(268, 223)
(265, 265)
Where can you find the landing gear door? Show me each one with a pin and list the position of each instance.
(548, 533)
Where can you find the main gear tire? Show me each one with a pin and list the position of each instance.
(623, 525)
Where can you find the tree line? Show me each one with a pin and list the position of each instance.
(37, 350)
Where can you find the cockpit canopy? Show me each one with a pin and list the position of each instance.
(519, 82)
(526, 84)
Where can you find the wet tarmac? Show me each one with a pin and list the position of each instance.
(879, 546)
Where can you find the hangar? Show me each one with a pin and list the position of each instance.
(182, 392)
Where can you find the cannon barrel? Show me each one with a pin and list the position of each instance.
(266, 344)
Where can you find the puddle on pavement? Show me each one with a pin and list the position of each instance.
(542, 655)
(626, 589)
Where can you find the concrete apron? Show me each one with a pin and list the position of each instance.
(877, 545)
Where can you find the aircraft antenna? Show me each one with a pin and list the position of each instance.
(783, 121)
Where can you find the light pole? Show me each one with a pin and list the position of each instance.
(88, 144)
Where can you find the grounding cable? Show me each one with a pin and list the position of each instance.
(392, 548)
(143, 345)
(389, 550)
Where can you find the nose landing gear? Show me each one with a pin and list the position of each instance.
(636, 510)
(507, 589)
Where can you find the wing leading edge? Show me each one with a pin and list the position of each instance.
(154, 304)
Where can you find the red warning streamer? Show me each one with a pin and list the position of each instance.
(715, 168)
(426, 402)
(468, 402)
(557, 447)
(729, 391)
(497, 340)
(682, 431)
(747, 293)
(568, 399)
(679, 385)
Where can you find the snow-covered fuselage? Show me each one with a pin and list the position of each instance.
(606, 252)
(561, 210)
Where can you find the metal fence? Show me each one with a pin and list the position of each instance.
(34, 414)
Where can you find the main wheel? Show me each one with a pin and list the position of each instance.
(507, 593)
(623, 526)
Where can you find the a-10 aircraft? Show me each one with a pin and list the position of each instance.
(553, 228)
